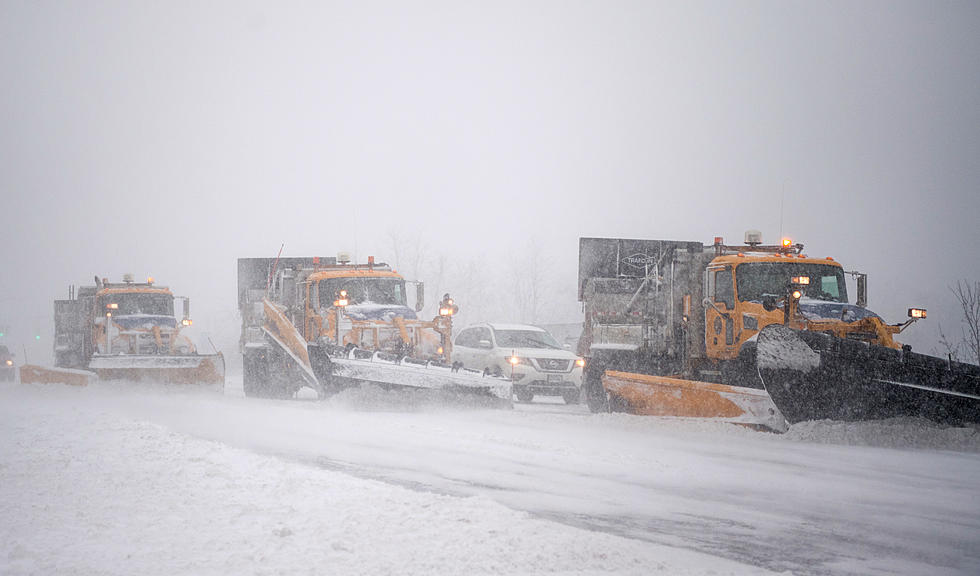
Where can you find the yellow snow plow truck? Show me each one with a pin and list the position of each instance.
(126, 331)
(328, 324)
(752, 334)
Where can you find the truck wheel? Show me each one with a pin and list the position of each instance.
(524, 395)
(255, 373)
(571, 396)
(264, 375)
(595, 394)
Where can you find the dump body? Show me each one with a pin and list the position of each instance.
(641, 299)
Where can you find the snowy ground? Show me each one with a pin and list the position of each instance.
(117, 479)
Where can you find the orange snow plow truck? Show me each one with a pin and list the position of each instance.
(328, 324)
(125, 331)
(753, 334)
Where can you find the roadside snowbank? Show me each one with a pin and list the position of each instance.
(903, 433)
(86, 489)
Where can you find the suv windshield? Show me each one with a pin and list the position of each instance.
(756, 280)
(132, 303)
(388, 291)
(525, 339)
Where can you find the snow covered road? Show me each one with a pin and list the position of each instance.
(196, 482)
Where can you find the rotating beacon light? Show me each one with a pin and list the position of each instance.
(448, 306)
(341, 300)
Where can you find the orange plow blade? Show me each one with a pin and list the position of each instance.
(31, 374)
(193, 369)
(649, 395)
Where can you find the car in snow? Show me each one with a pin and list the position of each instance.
(7, 368)
(531, 357)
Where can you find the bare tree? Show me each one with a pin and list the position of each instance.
(529, 273)
(471, 285)
(948, 347)
(408, 249)
(968, 296)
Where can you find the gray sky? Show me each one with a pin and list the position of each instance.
(172, 138)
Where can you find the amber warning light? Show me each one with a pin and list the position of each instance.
(917, 313)
(341, 300)
(448, 306)
(787, 242)
(802, 280)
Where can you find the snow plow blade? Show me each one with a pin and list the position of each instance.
(649, 395)
(31, 374)
(330, 369)
(356, 367)
(192, 369)
(816, 376)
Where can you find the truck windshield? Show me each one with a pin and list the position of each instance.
(131, 303)
(387, 291)
(525, 339)
(756, 280)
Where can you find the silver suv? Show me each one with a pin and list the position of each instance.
(531, 357)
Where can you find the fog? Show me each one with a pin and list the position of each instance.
(472, 144)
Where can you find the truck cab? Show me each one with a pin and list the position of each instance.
(748, 291)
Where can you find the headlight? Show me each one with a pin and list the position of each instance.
(515, 360)
(580, 362)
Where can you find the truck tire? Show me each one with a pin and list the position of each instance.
(743, 370)
(323, 370)
(571, 396)
(264, 376)
(524, 395)
(595, 395)
(255, 373)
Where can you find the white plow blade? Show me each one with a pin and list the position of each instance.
(144, 362)
(189, 369)
(428, 376)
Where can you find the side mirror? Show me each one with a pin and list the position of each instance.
(862, 296)
(769, 303)
(485, 344)
(419, 297)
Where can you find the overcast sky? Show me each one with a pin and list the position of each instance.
(171, 138)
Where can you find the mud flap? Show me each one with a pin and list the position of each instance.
(816, 376)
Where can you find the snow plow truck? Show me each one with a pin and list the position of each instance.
(754, 334)
(329, 324)
(125, 331)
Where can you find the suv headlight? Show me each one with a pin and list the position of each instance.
(580, 362)
(515, 360)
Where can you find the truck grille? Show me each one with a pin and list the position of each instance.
(552, 364)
